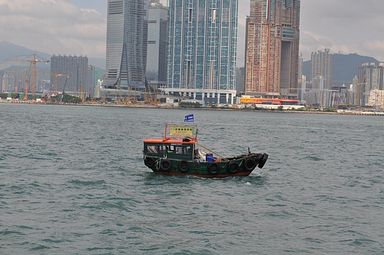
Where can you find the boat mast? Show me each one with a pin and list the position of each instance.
(165, 131)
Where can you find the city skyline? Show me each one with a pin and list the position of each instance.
(79, 27)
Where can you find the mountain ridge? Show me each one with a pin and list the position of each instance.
(12, 54)
(344, 67)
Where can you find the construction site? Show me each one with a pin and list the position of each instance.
(35, 79)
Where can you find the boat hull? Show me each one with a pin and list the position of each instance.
(237, 166)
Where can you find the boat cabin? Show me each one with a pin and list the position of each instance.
(178, 143)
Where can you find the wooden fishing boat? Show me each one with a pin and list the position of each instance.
(178, 154)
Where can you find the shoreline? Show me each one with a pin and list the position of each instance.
(147, 106)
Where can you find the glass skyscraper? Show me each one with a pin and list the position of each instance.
(126, 44)
(157, 43)
(202, 44)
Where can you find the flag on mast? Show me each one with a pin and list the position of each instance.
(189, 118)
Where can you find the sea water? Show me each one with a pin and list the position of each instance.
(73, 181)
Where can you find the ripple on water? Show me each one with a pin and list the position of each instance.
(77, 185)
(8, 232)
(53, 241)
(39, 247)
(87, 183)
(101, 249)
(361, 242)
(280, 214)
(313, 158)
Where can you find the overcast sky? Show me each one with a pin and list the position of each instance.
(78, 27)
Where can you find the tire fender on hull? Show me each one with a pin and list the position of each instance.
(263, 160)
(258, 157)
(249, 164)
(183, 166)
(165, 165)
(233, 167)
(213, 168)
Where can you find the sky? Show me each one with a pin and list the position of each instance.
(78, 27)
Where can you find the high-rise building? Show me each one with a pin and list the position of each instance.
(202, 47)
(301, 80)
(300, 69)
(272, 47)
(356, 89)
(69, 73)
(126, 44)
(370, 77)
(322, 66)
(157, 43)
(4, 82)
(376, 99)
(240, 80)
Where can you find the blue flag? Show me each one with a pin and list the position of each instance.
(189, 118)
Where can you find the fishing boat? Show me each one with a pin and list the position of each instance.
(178, 153)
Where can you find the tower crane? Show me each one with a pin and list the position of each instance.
(33, 75)
(65, 84)
(55, 85)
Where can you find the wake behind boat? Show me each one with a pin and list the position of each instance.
(178, 154)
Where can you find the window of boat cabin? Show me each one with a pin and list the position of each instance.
(172, 151)
(154, 149)
(180, 151)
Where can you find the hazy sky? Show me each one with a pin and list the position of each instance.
(79, 26)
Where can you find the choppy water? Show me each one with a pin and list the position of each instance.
(72, 181)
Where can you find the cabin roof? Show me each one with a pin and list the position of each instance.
(171, 140)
